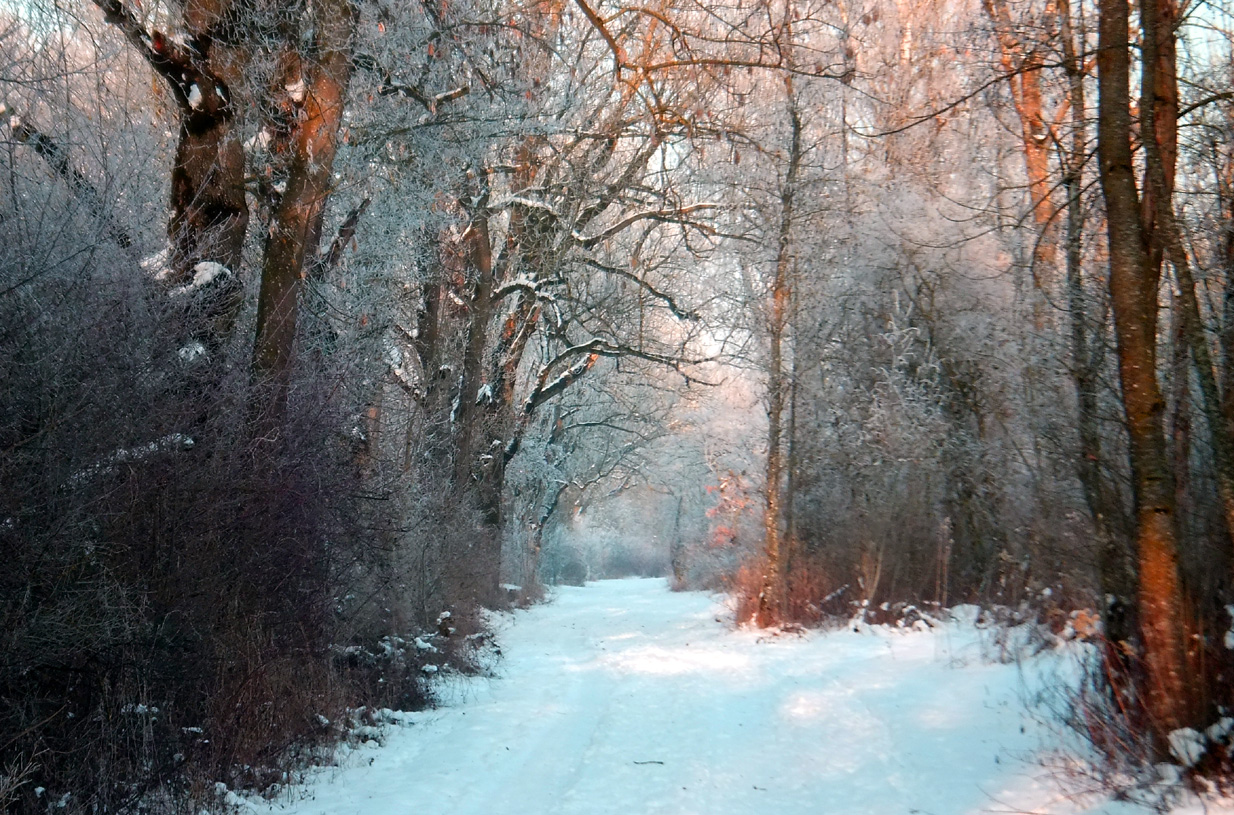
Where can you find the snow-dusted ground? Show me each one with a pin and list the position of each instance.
(623, 697)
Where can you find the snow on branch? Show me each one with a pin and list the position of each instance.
(591, 351)
(170, 443)
(195, 88)
(526, 203)
(543, 392)
(524, 284)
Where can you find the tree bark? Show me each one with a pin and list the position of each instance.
(1024, 65)
(1133, 292)
(1115, 561)
(772, 596)
(209, 214)
(480, 315)
(1160, 106)
(472, 470)
(295, 226)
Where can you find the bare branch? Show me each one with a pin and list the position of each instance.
(346, 231)
(677, 215)
(619, 53)
(673, 306)
(431, 103)
(195, 88)
(57, 157)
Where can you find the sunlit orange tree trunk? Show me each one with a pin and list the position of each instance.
(295, 228)
(1133, 292)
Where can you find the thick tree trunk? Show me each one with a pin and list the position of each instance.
(209, 213)
(482, 472)
(1133, 292)
(1226, 207)
(480, 314)
(295, 226)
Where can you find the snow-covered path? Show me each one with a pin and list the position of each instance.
(623, 697)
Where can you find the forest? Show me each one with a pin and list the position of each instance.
(329, 326)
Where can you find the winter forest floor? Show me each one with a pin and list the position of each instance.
(623, 697)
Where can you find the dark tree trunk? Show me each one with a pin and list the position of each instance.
(209, 213)
(1115, 560)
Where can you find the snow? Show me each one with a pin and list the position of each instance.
(1187, 745)
(260, 141)
(204, 274)
(125, 455)
(296, 90)
(191, 352)
(157, 265)
(623, 697)
(1220, 730)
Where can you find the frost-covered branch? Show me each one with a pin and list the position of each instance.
(430, 102)
(675, 215)
(346, 232)
(171, 443)
(673, 306)
(57, 157)
(591, 351)
(547, 390)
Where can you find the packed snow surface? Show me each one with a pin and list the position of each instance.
(625, 698)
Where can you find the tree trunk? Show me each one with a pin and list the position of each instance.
(1160, 106)
(677, 549)
(209, 213)
(1133, 292)
(295, 226)
(480, 314)
(486, 476)
(772, 596)
(1115, 561)
(1023, 66)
